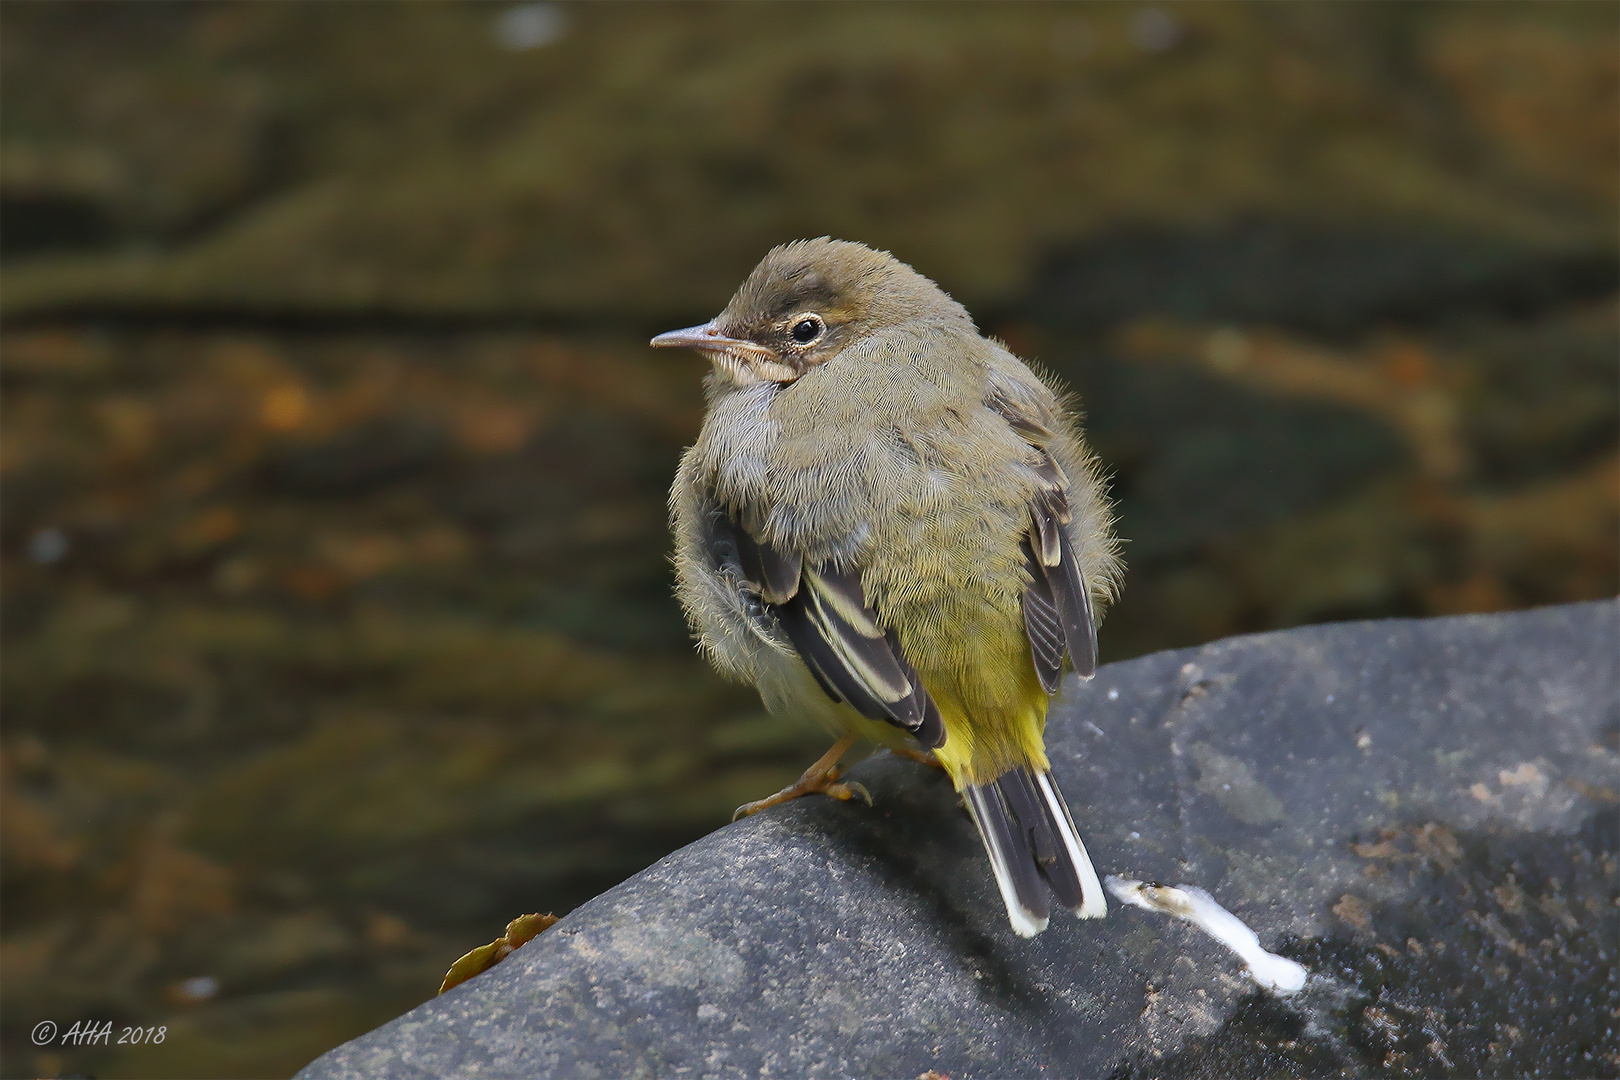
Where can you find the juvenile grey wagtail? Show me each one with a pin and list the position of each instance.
(889, 523)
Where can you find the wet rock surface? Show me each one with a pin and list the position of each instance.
(1421, 812)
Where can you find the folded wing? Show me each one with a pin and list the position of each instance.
(823, 611)
(1058, 615)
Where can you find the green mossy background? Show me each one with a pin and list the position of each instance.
(337, 615)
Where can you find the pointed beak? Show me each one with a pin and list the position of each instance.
(708, 339)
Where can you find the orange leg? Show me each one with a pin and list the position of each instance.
(819, 779)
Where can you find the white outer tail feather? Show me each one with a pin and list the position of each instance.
(1094, 903)
(1025, 923)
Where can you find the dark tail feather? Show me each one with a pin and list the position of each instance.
(1030, 835)
(1010, 858)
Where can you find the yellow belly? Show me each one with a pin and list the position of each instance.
(983, 743)
(975, 663)
(966, 639)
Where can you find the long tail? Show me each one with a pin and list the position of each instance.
(1030, 835)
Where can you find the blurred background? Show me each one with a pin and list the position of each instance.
(337, 603)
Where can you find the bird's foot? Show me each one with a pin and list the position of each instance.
(819, 779)
(825, 784)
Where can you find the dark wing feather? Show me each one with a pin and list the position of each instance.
(1042, 624)
(930, 726)
(720, 541)
(1058, 616)
(823, 611)
(774, 573)
(814, 651)
(862, 664)
(1055, 561)
(1025, 414)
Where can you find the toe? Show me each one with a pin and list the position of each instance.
(850, 789)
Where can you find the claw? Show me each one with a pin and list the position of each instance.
(848, 790)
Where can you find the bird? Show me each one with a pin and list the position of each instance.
(891, 524)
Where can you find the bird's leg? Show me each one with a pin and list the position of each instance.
(820, 778)
(921, 757)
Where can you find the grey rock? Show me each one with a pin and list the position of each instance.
(1423, 813)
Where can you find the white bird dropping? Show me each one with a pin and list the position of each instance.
(1192, 904)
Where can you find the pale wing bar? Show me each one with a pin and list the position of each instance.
(824, 612)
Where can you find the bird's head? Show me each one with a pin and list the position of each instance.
(805, 303)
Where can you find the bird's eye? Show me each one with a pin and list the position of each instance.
(806, 329)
